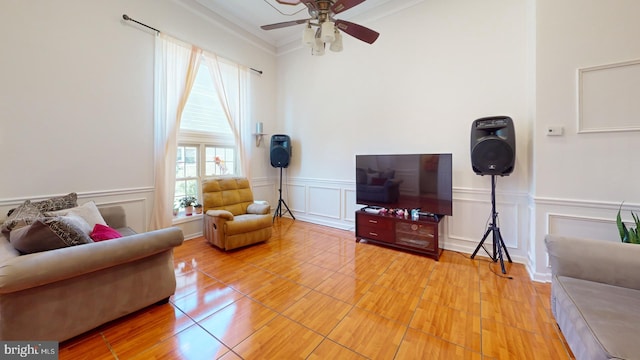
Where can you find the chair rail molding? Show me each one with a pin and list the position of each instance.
(134, 200)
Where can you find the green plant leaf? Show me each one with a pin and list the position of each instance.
(634, 237)
(636, 219)
(622, 228)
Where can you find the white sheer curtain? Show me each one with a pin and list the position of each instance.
(231, 81)
(176, 66)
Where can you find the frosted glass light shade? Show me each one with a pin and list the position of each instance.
(327, 31)
(318, 48)
(336, 45)
(308, 36)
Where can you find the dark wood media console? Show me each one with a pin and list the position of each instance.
(419, 236)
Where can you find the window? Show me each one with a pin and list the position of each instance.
(206, 145)
(219, 160)
(186, 172)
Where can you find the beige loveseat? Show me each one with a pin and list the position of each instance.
(595, 296)
(57, 294)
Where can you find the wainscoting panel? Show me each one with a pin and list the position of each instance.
(137, 204)
(320, 201)
(265, 192)
(191, 226)
(472, 218)
(575, 218)
(295, 197)
(350, 206)
(583, 226)
(324, 201)
(136, 209)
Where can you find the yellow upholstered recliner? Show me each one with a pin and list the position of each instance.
(232, 219)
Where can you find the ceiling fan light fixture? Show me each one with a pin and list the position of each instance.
(318, 48)
(323, 30)
(336, 45)
(328, 31)
(308, 36)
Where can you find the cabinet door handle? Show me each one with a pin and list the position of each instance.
(373, 234)
(373, 221)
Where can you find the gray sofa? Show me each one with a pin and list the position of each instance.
(57, 294)
(377, 187)
(595, 296)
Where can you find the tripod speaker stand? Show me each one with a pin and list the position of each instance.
(281, 202)
(498, 243)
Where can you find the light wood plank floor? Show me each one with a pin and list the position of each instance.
(312, 292)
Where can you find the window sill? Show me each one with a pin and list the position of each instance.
(181, 218)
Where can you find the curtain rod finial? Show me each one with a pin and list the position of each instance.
(126, 17)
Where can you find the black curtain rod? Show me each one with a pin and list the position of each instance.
(126, 17)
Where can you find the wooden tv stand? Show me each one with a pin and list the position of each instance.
(419, 236)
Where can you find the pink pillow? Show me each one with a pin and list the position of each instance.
(103, 232)
(378, 181)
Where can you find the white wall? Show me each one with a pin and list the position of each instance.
(436, 67)
(76, 96)
(76, 111)
(581, 179)
(77, 99)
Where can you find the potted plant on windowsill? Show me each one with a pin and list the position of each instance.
(628, 235)
(198, 208)
(176, 209)
(187, 203)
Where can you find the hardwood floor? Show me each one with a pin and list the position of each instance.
(312, 292)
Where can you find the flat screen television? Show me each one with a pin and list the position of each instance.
(405, 181)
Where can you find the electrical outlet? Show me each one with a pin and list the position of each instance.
(555, 130)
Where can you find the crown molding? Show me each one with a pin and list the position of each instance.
(230, 25)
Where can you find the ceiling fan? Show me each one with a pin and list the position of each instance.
(321, 14)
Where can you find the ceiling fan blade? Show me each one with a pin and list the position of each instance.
(343, 5)
(288, 2)
(284, 24)
(358, 31)
(311, 4)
